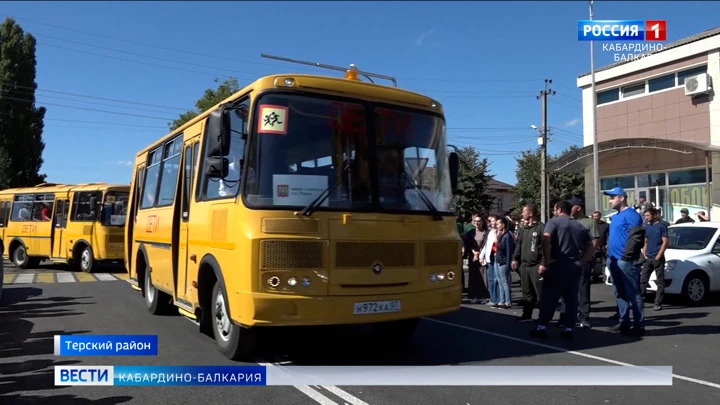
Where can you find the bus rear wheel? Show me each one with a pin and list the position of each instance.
(156, 301)
(20, 258)
(234, 341)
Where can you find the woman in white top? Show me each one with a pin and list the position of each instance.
(487, 258)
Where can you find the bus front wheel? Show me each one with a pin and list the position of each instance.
(86, 261)
(235, 342)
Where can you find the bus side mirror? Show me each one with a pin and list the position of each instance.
(217, 167)
(217, 133)
(454, 165)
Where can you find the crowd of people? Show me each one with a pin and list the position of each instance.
(557, 260)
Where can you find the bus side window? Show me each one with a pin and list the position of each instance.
(4, 206)
(138, 195)
(83, 210)
(42, 207)
(187, 181)
(22, 208)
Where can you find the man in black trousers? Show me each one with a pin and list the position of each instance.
(527, 258)
(567, 246)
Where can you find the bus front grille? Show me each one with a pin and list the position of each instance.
(442, 253)
(283, 254)
(365, 254)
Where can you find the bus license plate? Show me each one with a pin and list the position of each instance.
(376, 307)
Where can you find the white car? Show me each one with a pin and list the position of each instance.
(692, 262)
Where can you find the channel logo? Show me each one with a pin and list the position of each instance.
(622, 30)
(84, 375)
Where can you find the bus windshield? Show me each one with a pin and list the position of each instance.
(114, 208)
(378, 157)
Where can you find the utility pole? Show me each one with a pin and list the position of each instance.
(593, 124)
(543, 156)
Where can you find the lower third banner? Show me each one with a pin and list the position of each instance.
(365, 376)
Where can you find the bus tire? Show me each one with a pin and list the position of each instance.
(85, 260)
(234, 341)
(396, 333)
(156, 301)
(20, 258)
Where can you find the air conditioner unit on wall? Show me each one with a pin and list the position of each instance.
(698, 84)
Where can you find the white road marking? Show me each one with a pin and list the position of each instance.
(573, 352)
(307, 390)
(65, 278)
(347, 397)
(105, 277)
(24, 279)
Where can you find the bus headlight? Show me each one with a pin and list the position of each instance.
(274, 281)
(451, 275)
(306, 282)
(433, 277)
(292, 281)
(441, 276)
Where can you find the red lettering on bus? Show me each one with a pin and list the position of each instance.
(152, 224)
(349, 119)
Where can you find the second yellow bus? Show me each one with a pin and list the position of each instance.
(80, 225)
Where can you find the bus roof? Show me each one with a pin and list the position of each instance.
(59, 187)
(318, 83)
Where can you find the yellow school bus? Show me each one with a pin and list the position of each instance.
(299, 200)
(81, 225)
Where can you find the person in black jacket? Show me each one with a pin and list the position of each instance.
(567, 246)
(527, 257)
(474, 241)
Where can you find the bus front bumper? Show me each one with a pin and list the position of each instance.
(294, 310)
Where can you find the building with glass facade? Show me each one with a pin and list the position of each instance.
(658, 128)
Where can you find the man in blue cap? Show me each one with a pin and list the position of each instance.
(625, 242)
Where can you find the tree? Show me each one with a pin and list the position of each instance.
(473, 179)
(562, 186)
(211, 98)
(21, 122)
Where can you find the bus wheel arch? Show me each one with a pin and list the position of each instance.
(208, 275)
(235, 341)
(157, 302)
(83, 256)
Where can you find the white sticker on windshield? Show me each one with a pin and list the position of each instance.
(273, 119)
(298, 189)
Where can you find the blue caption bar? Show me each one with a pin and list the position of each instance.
(611, 30)
(160, 375)
(106, 345)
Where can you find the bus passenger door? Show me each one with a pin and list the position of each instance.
(185, 265)
(59, 223)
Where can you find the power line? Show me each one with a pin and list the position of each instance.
(189, 52)
(141, 55)
(86, 102)
(134, 61)
(92, 109)
(499, 94)
(96, 97)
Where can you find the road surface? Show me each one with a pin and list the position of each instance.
(31, 314)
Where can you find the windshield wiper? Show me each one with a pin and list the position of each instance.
(310, 208)
(434, 211)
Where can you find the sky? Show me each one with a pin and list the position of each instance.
(113, 74)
